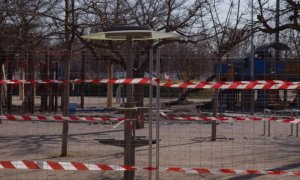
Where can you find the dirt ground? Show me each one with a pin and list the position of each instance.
(183, 144)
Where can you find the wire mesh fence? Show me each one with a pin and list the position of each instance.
(178, 94)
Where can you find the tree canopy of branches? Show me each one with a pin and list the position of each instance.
(288, 13)
(226, 33)
(24, 24)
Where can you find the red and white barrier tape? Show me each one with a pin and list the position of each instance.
(229, 119)
(252, 82)
(57, 118)
(269, 84)
(237, 85)
(79, 166)
(153, 81)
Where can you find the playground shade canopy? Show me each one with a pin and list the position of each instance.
(121, 32)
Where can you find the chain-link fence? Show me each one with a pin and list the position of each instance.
(184, 114)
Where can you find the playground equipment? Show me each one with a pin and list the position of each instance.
(130, 34)
(270, 63)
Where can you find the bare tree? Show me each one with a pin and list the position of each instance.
(158, 15)
(24, 27)
(227, 33)
(288, 21)
(177, 16)
(289, 15)
(69, 38)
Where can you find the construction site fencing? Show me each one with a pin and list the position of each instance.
(191, 115)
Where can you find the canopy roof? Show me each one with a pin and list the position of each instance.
(119, 33)
(276, 46)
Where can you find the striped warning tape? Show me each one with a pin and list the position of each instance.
(153, 81)
(232, 85)
(57, 118)
(270, 84)
(229, 119)
(79, 166)
(252, 82)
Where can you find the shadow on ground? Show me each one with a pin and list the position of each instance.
(282, 168)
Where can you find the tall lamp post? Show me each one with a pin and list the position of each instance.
(252, 104)
(130, 34)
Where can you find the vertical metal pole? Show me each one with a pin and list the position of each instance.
(264, 129)
(1, 90)
(157, 111)
(9, 86)
(277, 52)
(129, 149)
(82, 78)
(129, 71)
(1, 99)
(277, 20)
(269, 126)
(252, 59)
(49, 72)
(150, 113)
(109, 86)
(292, 130)
(214, 122)
(265, 123)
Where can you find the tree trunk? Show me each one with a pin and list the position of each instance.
(69, 35)
(65, 104)
(216, 101)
